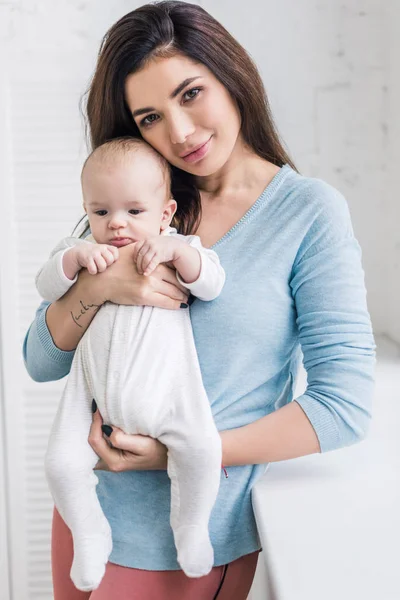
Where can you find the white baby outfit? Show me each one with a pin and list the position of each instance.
(140, 365)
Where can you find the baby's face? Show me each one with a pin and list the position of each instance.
(126, 199)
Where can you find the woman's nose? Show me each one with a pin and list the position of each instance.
(180, 128)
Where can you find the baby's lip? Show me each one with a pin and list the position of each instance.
(120, 241)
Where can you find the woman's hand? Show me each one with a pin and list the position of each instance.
(124, 452)
(122, 284)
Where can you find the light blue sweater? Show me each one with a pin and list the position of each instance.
(293, 278)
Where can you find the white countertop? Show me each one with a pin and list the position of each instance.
(330, 524)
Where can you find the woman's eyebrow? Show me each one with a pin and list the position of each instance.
(182, 85)
(177, 90)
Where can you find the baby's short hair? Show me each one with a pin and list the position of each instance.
(123, 146)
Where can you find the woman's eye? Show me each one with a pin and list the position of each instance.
(149, 120)
(187, 96)
(190, 94)
(135, 211)
(101, 213)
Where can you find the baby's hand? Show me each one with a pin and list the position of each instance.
(148, 254)
(95, 257)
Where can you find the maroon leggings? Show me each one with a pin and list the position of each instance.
(228, 582)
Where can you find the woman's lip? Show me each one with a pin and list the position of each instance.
(197, 154)
(121, 242)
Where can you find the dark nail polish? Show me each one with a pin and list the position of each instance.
(183, 305)
(107, 430)
(94, 406)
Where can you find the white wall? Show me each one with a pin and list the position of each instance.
(391, 123)
(331, 74)
(326, 69)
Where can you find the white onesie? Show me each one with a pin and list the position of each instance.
(140, 365)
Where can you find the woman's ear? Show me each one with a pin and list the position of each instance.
(168, 212)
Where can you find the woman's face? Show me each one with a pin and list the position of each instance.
(185, 113)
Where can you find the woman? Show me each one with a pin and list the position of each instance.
(173, 75)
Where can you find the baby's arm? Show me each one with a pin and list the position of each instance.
(211, 278)
(148, 254)
(187, 262)
(59, 273)
(198, 268)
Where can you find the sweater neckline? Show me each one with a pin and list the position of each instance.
(263, 197)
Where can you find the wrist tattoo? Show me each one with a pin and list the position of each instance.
(84, 310)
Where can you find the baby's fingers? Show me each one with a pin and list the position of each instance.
(91, 266)
(144, 250)
(137, 246)
(110, 254)
(150, 262)
(100, 263)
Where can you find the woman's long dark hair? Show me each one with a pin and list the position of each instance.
(164, 29)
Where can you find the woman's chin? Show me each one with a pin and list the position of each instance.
(205, 168)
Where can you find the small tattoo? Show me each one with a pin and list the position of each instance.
(84, 310)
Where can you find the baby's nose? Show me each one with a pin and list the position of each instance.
(117, 223)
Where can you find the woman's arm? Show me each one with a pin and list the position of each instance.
(57, 328)
(336, 338)
(333, 322)
(52, 337)
(284, 434)
(68, 318)
(43, 360)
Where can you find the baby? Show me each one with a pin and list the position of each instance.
(138, 362)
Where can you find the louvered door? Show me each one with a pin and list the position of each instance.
(42, 151)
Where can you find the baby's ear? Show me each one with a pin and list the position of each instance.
(168, 212)
(174, 206)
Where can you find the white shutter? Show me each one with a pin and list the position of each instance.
(41, 156)
(12, 412)
(4, 534)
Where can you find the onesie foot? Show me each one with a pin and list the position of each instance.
(195, 552)
(91, 555)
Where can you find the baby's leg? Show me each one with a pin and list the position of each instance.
(69, 464)
(194, 467)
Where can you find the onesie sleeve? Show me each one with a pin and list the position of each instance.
(211, 280)
(334, 326)
(51, 281)
(43, 360)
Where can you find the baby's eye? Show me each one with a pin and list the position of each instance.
(135, 211)
(100, 213)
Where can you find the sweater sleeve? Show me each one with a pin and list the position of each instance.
(334, 325)
(211, 279)
(43, 360)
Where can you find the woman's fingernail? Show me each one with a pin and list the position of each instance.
(107, 430)
(184, 305)
(94, 406)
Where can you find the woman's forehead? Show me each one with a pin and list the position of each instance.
(160, 78)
